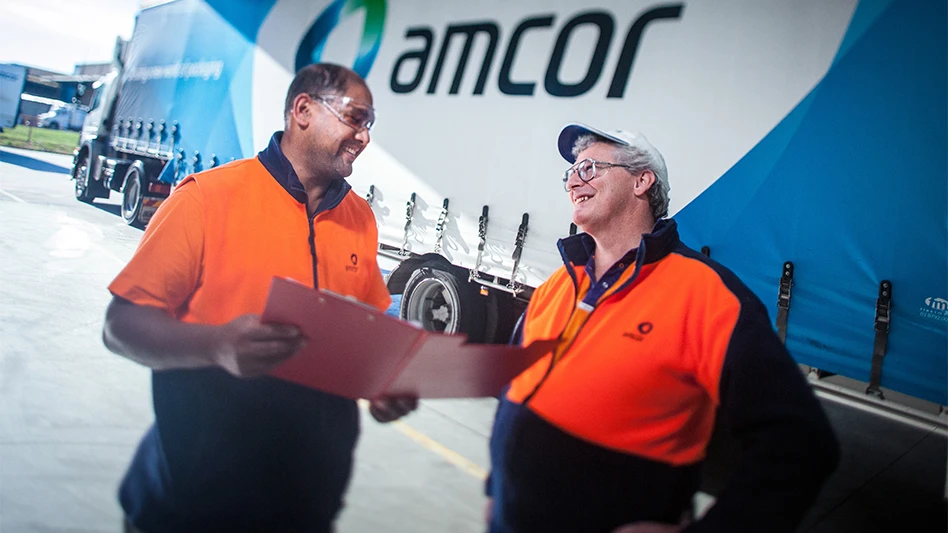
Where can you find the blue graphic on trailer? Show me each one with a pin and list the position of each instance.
(311, 49)
(247, 17)
(215, 63)
(198, 82)
(866, 145)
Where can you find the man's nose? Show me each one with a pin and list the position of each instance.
(363, 136)
(573, 181)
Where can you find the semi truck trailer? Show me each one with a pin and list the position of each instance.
(805, 142)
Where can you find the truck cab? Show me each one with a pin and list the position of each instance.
(113, 156)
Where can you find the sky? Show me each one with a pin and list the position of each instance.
(57, 34)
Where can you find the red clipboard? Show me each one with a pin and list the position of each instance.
(356, 351)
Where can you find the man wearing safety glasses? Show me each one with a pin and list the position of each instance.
(608, 432)
(231, 448)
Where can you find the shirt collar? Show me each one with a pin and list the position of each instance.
(578, 249)
(625, 261)
(276, 163)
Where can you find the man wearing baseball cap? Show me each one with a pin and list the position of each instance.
(609, 431)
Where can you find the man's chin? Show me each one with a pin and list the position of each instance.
(579, 220)
(343, 170)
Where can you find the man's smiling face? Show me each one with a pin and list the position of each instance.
(608, 194)
(334, 143)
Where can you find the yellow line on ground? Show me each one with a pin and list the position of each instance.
(449, 455)
(462, 463)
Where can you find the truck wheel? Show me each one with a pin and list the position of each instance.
(80, 174)
(439, 301)
(132, 197)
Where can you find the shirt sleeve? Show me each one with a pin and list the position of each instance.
(787, 444)
(167, 266)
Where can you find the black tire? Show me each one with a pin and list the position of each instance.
(132, 196)
(503, 313)
(439, 301)
(53, 126)
(80, 175)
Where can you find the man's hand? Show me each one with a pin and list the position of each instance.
(392, 408)
(245, 347)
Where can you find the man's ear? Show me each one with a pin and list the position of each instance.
(302, 111)
(643, 182)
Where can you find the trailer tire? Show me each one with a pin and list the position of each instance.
(132, 196)
(80, 174)
(440, 301)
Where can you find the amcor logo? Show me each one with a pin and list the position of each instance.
(602, 21)
(311, 49)
(938, 304)
(935, 309)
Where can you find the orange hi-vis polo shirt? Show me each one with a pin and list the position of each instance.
(654, 347)
(225, 233)
(233, 454)
(611, 427)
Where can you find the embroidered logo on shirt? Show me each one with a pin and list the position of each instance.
(354, 259)
(643, 329)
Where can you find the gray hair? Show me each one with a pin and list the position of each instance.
(640, 155)
(320, 78)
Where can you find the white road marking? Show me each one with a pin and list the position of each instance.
(12, 197)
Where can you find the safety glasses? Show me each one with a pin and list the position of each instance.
(588, 169)
(355, 115)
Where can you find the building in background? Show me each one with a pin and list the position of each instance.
(45, 90)
(12, 78)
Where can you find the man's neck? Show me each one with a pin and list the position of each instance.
(315, 185)
(315, 195)
(613, 244)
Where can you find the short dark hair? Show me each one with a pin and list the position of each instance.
(320, 78)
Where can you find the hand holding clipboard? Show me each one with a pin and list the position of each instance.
(356, 351)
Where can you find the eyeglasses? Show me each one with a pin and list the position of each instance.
(588, 169)
(357, 116)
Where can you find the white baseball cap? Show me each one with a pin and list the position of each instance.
(575, 130)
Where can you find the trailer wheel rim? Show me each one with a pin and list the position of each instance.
(433, 305)
(82, 177)
(131, 196)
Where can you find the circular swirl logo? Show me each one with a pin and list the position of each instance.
(311, 49)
